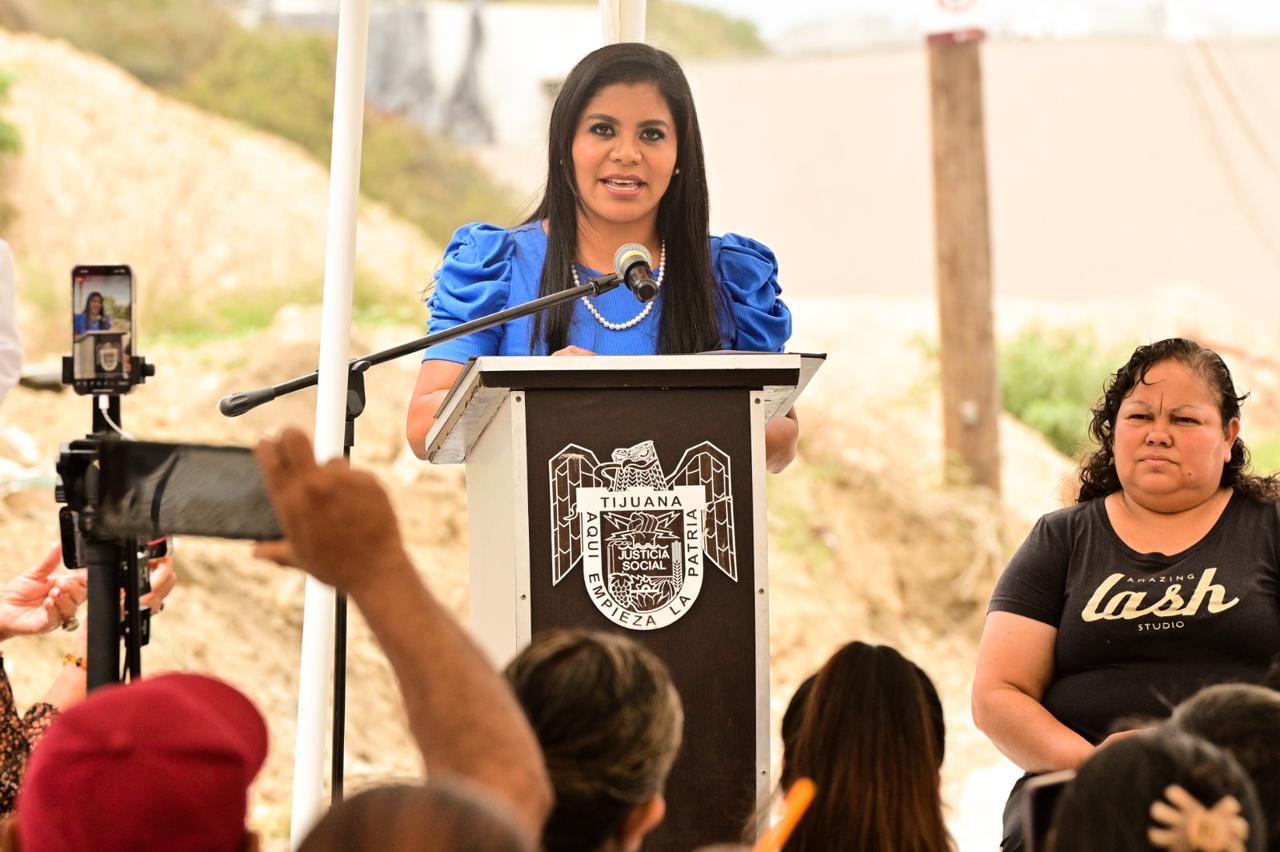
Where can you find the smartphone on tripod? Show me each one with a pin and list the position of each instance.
(102, 329)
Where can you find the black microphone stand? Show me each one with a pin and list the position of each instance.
(236, 404)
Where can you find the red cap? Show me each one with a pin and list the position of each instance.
(163, 763)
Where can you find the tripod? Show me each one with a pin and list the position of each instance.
(116, 566)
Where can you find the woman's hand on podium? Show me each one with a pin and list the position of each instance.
(434, 380)
(781, 438)
(572, 350)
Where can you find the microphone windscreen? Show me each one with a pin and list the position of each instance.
(628, 255)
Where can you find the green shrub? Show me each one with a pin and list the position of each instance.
(689, 31)
(429, 180)
(282, 82)
(158, 41)
(1264, 452)
(10, 143)
(277, 81)
(10, 139)
(1051, 378)
(693, 31)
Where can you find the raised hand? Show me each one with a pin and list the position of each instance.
(338, 522)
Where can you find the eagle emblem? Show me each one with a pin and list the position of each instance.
(642, 537)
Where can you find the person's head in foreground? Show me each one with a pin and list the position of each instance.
(625, 161)
(610, 722)
(441, 816)
(790, 730)
(1245, 721)
(1160, 789)
(159, 764)
(1271, 679)
(1168, 429)
(872, 739)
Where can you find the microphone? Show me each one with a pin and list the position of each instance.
(633, 264)
(236, 404)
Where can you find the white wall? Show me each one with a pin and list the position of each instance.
(528, 50)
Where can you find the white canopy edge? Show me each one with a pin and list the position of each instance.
(316, 668)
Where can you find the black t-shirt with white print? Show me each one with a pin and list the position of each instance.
(1139, 632)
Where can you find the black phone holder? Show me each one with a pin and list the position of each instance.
(139, 371)
(118, 568)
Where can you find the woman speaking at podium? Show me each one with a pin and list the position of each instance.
(625, 165)
(94, 317)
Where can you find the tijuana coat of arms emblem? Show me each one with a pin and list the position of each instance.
(109, 357)
(644, 539)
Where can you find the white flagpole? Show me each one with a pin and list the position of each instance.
(622, 20)
(316, 672)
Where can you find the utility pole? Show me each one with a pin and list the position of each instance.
(970, 389)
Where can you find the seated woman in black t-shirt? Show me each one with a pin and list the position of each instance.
(1163, 577)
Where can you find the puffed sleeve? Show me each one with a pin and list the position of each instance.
(473, 280)
(748, 272)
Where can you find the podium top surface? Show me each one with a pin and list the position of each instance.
(485, 382)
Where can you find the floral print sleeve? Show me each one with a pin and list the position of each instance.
(17, 736)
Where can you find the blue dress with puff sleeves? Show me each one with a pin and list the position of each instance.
(487, 269)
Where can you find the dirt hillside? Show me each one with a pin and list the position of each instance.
(205, 210)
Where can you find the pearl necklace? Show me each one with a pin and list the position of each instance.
(623, 326)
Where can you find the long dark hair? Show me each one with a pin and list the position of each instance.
(694, 311)
(1244, 720)
(609, 722)
(1107, 807)
(1098, 476)
(872, 740)
(88, 300)
(790, 730)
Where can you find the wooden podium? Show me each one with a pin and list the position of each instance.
(627, 494)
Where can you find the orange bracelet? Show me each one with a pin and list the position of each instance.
(73, 660)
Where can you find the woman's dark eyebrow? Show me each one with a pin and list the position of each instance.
(652, 122)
